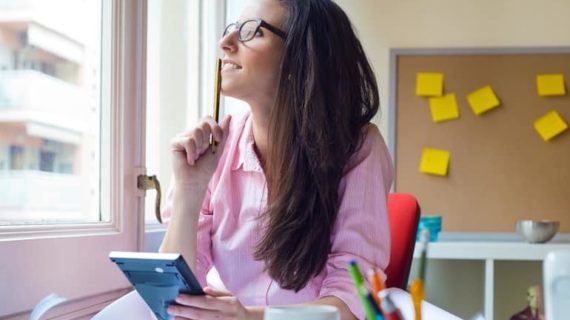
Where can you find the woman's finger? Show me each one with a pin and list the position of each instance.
(217, 131)
(193, 144)
(206, 128)
(216, 293)
(178, 145)
(201, 302)
(191, 152)
(200, 137)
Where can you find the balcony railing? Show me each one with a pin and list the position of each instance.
(35, 91)
(42, 196)
(14, 5)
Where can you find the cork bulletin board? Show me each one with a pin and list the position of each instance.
(500, 169)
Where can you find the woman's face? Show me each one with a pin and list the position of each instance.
(250, 70)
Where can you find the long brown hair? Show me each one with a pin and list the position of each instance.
(327, 94)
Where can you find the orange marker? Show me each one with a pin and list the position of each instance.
(377, 284)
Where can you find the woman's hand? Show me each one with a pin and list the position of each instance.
(214, 305)
(192, 159)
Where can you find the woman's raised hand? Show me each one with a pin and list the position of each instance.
(193, 161)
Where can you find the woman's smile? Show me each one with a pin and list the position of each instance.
(228, 65)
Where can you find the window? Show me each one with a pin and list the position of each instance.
(47, 161)
(70, 135)
(181, 53)
(74, 249)
(16, 158)
(50, 111)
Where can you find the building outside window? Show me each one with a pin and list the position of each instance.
(73, 135)
(49, 112)
(16, 158)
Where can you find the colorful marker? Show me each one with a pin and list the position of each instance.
(375, 307)
(377, 284)
(361, 290)
(390, 310)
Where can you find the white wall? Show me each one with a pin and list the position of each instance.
(386, 24)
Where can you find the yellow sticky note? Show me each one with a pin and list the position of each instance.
(550, 85)
(429, 84)
(444, 108)
(550, 125)
(434, 161)
(483, 100)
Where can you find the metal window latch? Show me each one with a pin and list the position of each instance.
(144, 183)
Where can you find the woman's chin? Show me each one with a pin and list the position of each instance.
(228, 93)
(232, 91)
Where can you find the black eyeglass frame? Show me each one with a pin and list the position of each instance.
(260, 24)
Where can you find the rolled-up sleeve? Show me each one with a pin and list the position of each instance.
(204, 240)
(361, 231)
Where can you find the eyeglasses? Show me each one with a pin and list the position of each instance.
(249, 28)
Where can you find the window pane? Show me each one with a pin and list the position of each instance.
(168, 56)
(50, 71)
(152, 88)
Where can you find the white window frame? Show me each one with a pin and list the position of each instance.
(72, 261)
(212, 29)
(206, 22)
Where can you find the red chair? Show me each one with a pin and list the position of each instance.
(404, 216)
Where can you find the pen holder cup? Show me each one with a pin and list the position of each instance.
(432, 223)
(301, 312)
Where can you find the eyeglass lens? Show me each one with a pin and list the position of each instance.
(247, 29)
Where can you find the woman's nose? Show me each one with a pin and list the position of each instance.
(228, 42)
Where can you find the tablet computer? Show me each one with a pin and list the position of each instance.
(157, 277)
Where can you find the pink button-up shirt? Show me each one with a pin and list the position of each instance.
(228, 227)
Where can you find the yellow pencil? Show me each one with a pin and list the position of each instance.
(217, 88)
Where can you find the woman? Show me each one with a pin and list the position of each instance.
(298, 186)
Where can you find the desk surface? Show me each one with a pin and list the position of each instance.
(403, 301)
(132, 306)
(495, 250)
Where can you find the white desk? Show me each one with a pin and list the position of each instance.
(489, 253)
(131, 306)
(403, 301)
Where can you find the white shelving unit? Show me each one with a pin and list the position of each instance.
(489, 254)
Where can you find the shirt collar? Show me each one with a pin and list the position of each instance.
(246, 157)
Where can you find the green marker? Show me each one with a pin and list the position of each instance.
(355, 273)
(361, 290)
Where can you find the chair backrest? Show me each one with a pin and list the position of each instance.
(404, 216)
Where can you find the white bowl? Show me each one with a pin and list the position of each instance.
(537, 231)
